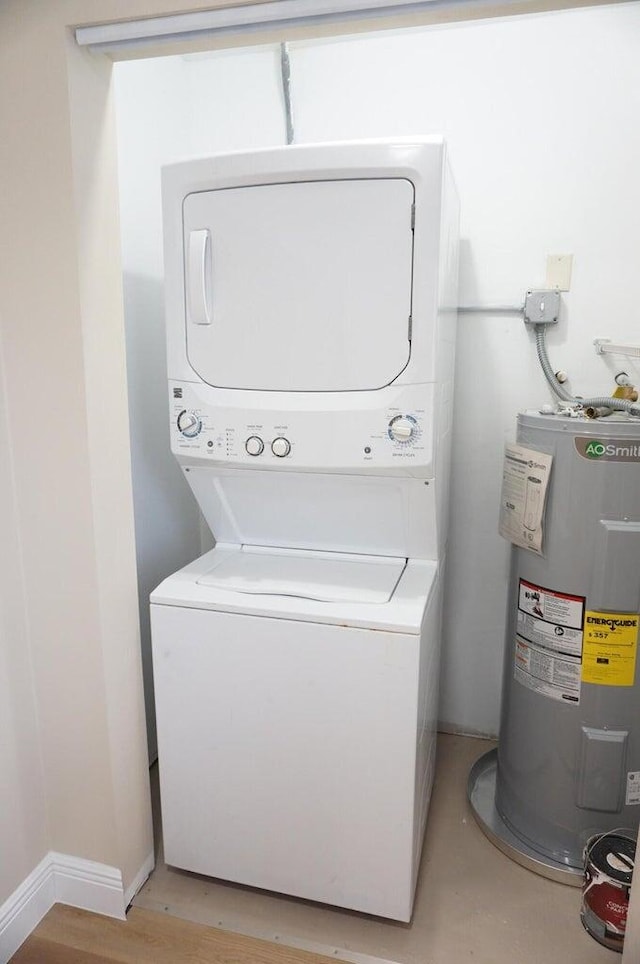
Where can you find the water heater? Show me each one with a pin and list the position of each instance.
(568, 760)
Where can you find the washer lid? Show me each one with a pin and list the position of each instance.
(416, 591)
(323, 576)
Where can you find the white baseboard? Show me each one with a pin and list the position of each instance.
(139, 879)
(62, 879)
(25, 908)
(87, 884)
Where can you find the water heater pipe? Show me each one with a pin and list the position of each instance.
(600, 401)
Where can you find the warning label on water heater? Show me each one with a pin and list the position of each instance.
(547, 673)
(549, 641)
(550, 618)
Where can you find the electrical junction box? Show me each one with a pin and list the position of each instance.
(541, 307)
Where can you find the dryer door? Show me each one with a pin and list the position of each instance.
(303, 286)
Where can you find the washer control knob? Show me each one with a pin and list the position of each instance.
(402, 428)
(189, 424)
(281, 446)
(254, 445)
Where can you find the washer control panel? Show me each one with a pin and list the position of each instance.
(403, 428)
(334, 437)
(281, 447)
(189, 423)
(254, 445)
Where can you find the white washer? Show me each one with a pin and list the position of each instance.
(310, 297)
(297, 737)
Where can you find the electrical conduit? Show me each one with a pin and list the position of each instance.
(614, 404)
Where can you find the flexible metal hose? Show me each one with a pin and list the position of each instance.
(599, 401)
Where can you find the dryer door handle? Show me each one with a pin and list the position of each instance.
(199, 277)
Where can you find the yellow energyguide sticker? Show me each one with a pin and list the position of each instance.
(609, 648)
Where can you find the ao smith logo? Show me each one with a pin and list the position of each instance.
(595, 450)
(613, 450)
(612, 624)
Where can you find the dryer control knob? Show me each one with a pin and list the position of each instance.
(189, 424)
(281, 446)
(254, 445)
(402, 428)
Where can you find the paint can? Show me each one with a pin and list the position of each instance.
(608, 869)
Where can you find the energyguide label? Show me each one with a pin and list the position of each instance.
(610, 646)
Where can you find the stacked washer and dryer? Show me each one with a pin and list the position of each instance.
(311, 310)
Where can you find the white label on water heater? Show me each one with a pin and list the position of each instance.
(561, 639)
(525, 477)
(544, 672)
(633, 788)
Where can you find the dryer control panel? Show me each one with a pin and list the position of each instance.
(354, 434)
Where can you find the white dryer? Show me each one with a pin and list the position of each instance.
(311, 304)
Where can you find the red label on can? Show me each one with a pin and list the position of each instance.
(609, 903)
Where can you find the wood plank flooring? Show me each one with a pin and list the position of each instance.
(70, 936)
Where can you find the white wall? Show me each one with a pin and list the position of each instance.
(23, 821)
(73, 734)
(540, 113)
(167, 109)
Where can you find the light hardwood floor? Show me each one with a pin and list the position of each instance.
(70, 936)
